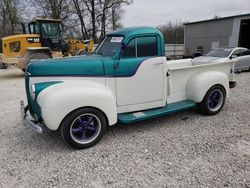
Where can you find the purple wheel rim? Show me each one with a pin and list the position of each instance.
(215, 100)
(85, 128)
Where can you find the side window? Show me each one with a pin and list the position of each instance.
(147, 46)
(247, 52)
(237, 52)
(200, 49)
(32, 29)
(130, 51)
(14, 46)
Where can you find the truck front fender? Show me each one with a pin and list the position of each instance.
(58, 100)
(200, 83)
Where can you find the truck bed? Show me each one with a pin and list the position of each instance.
(182, 70)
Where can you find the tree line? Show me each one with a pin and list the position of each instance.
(173, 33)
(84, 19)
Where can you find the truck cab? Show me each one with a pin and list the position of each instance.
(49, 32)
(131, 49)
(127, 79)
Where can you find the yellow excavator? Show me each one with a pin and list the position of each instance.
(43, 41)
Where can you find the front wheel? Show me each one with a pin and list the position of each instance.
(84, 127)
(3, 65)
(213, 101)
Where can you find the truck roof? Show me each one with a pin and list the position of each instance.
(129, 31)
(46, 20)
(142, 31)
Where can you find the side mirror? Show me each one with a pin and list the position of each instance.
(233, 56)
(123, 46)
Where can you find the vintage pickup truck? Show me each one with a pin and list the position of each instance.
(127, 79)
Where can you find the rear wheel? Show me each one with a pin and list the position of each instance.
(213, 101)
(3, 65)
(84, 127)
(237, 71)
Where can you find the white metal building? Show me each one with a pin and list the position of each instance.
(202, 36)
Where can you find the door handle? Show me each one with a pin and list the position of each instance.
(158, 63)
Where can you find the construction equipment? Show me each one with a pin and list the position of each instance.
(43, 41)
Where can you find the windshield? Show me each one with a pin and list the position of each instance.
(219, 53)
(34, 29)
(50, 30)
(109, 46)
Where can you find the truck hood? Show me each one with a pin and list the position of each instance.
(70, 66)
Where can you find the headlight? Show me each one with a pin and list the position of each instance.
(33, 91)
(30, 39)
(33, 39)
(33, 88)
(36, 88)
(36, 39)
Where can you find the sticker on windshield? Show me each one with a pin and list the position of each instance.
(116, 39)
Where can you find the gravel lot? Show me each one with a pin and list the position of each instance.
(182, 150)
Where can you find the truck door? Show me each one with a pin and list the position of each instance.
(139, 74)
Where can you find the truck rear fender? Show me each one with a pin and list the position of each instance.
(200, 83)
(59, 100)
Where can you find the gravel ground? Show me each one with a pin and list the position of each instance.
(182, 150)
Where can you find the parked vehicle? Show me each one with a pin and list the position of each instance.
(194, 55)
(44, 41)
(242, 55)
(127, 79)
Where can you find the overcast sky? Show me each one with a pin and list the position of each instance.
(158, 12)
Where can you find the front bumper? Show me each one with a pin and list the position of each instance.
(28, 121)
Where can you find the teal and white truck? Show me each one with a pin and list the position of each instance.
(127, 79)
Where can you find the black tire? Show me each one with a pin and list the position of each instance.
(213, 101)
(236, 71)
(3, 65)
(83, 123)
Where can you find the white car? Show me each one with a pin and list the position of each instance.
(223, 54)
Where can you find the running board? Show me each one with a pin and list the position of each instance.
(133, 117)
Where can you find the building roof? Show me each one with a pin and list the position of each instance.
(216, 19)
